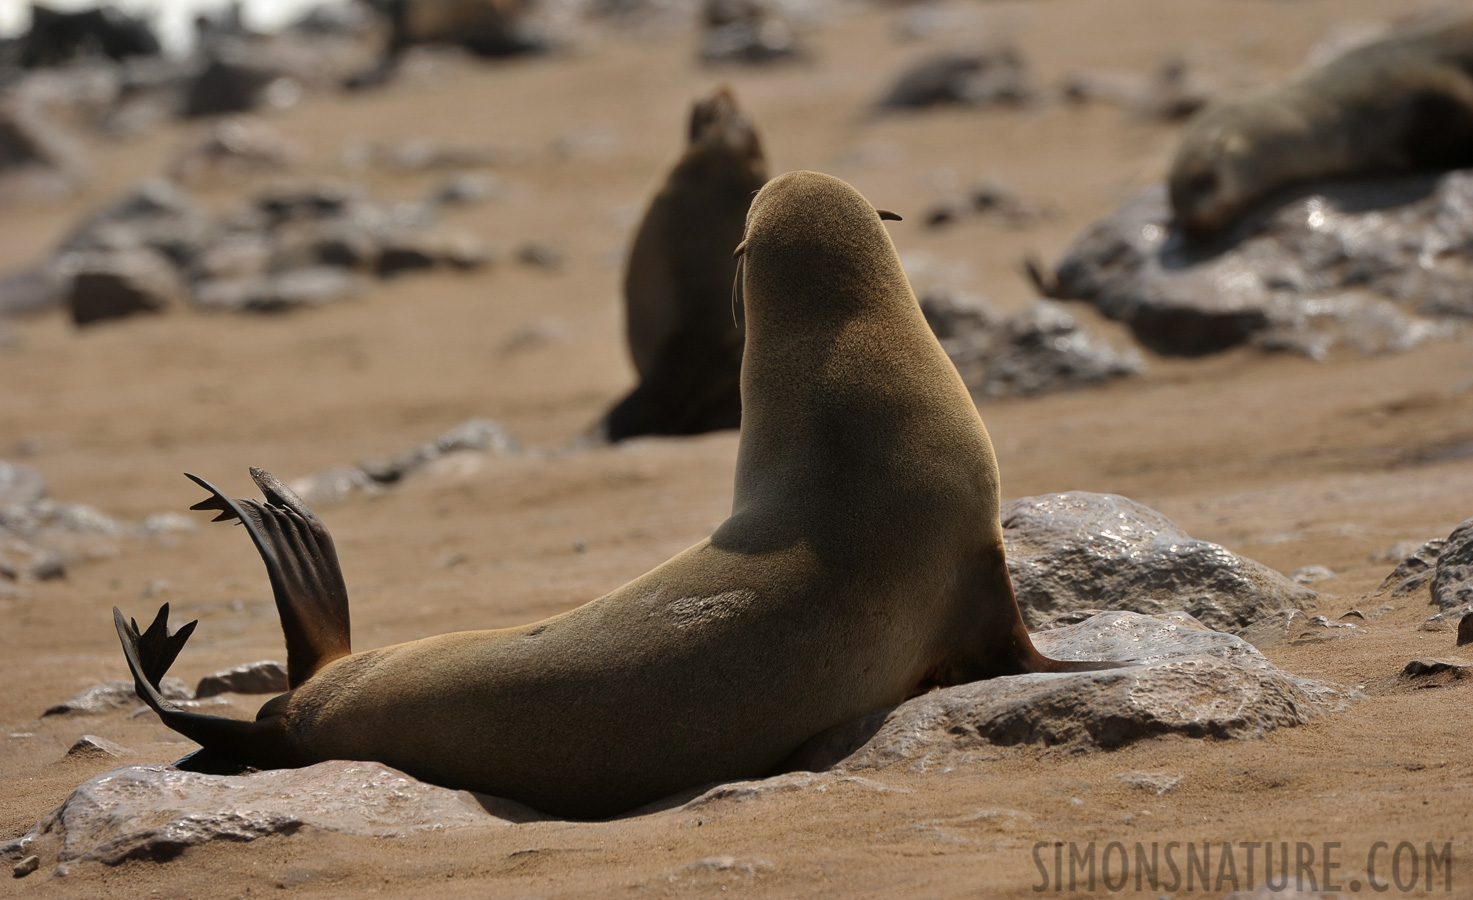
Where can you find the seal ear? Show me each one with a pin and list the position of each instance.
(887, 216)
(740, 249)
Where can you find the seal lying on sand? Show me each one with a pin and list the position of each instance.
(484, 27)
(1404, 103)
(678, 311)
(862, 564)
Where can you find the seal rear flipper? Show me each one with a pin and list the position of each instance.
(149, 653)
(302, 564)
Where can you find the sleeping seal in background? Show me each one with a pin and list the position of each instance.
(1401, 104)
(862, 564)
(489, 28)
(682, 327)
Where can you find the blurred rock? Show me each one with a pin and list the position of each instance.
(1312, 574)
(154, 812)
(121, 284)
(990, 201)
(39, 288)
(58, 37)
(1414, 570)
(1443, 565)
(1395, 553)
(1080, 550)
(540, 255)
(1357, 263)
(1173, 93)
(466, 189)
(233, 148)
(38, 159)
(232, 82)
(20, 485)
(1424, 668)
(157, 214)
(1039, 350)
(477, 435)
(90, 746)
(111, 695)
(420, 155)
(747, 31)
(276, 293)
(995, 76)
(1157, 783)
(1180, 681)
(265, 677)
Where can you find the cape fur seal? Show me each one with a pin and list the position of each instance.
(678, 310)
(1404, 103)
(862, 564)
(489, 28)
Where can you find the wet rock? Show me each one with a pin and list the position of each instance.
(1355, 263)
(111, 695)
(90, 746)
(1181, 681)
(118, 285)
(155, 812)
(1157, 783)
(989, 77)
(1080, 550)
(233, 148)
(264, 677)
(20, 485)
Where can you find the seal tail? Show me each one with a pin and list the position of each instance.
(302, 564)
(150, 653)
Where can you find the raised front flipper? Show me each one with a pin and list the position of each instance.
(302, 565)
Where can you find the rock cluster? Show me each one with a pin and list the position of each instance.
(1369, 264)
(1443, 567)
(1036, 351)
(993, 76)
(752, 32)
(1085, 551)
(40, 537)
(298, 245)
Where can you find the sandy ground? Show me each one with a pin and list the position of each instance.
(1288, 461)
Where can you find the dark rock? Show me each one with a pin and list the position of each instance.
(20, 485)
(995, 76)
(111, 695)
(410, 251)
(265, 677)
(1081, 550)
(540, 256)
(48, 568)
(228, 84)
(1423, 668)
(155, 812)
(1465, 629)
(1452, 582)
(26, 866)
(93, 747)
(1414, 570)
(1181, 681)
(121, 284)
(310, 201)
(1340, 263)
(56, 37)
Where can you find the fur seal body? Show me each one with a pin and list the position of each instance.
(862, 564)
(678, 306)
(490, 28)
(1401, 104)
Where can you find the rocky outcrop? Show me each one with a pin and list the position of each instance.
(1443, 567)
(1101, 551)
(1371, 265)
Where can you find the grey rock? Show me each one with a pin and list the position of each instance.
(1180, 681)
(1320, 629)
(995, 76)
(467, 189)
(1312, 574)
(121, 284)
(111, 695)
(157, 214)
(786, 783)
(1465, 628)
(540, 256)
(1157, 783)
(283, 292)
(1414, 570)
(26, 866)
(333, 485)
(1452, 582)
(1038, 350)
(478, 435)
(1396, 552)
(421, 155)
(47, 567)
(1449, 620)
(229, 83)
(20, 485)
(1355, 263)
(1281, 627)
(991, 201)
(767, 39)
(1424, 668)
(311, 201)
(233, 148)
(155, 812)
(93, 747)
(729, 864)
(264, 677)
(1081, 550)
